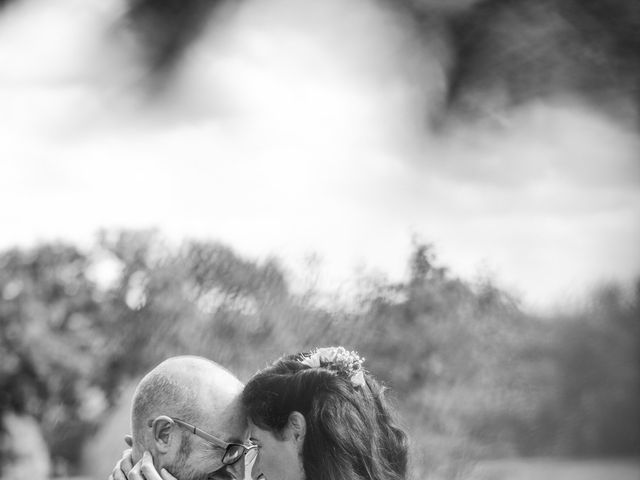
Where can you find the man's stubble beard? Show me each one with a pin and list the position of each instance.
(180, 468)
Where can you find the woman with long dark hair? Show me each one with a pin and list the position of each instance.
(321, 416)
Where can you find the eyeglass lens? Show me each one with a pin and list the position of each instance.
(234, 452)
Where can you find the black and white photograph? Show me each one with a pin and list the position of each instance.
(319, 239)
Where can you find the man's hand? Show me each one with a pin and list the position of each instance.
(145, 470)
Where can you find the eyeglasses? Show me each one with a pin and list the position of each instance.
(233, 451)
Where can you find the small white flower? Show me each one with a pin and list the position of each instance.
(327, 354)
(358, 379)
(340, 360)
(313, 361)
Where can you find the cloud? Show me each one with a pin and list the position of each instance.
(297, 127)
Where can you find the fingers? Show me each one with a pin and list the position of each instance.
(123, 466)
(117, 474)
(134, 473)
(126, 462)
(166, 475)
(147, 468)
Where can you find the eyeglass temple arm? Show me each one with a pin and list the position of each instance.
(196, 431)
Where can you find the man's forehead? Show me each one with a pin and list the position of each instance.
(235, 426)
(228, 423)
(219, 392)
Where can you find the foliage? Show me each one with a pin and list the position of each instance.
(50, 338)
(477, 377)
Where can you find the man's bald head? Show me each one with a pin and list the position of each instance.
(194, 389)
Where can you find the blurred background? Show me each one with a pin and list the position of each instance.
(451, 188)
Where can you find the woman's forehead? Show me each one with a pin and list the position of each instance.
(255, 431)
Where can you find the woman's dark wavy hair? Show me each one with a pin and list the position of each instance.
(351, 431)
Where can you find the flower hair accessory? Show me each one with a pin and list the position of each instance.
(339, 360)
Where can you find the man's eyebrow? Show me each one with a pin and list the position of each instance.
(213, 446)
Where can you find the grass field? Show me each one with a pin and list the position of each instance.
(550, 469)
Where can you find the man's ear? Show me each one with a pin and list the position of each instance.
(162, 429)
(297, 426)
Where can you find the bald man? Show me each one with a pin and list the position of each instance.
(186, 412)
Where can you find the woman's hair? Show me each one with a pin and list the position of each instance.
(351, 433)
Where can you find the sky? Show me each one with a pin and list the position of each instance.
(299, 127)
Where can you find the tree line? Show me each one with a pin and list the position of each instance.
(473, 375)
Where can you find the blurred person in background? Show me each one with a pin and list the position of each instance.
(317, 416)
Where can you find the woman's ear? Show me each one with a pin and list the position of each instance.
(297, 426)
(162, 428)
